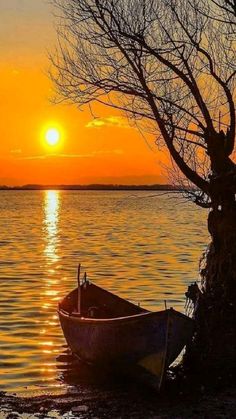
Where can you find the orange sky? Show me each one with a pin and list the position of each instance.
(108, 153)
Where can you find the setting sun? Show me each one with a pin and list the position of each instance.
(52, 136)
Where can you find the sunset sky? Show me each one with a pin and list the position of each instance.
(105, 150)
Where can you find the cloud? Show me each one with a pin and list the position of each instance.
(49, 156)
(73, 156)
(109, 121)
(16, 151)
(15, 72)
(105, 152)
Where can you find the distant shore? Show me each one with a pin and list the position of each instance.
(92, 187)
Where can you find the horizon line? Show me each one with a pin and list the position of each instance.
(102, 186)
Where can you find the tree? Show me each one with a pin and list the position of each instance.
(170, 65)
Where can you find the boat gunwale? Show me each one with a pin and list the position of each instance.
(86, 320)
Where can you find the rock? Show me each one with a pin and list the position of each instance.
(80, 409)
(13, 415)
(53, 414)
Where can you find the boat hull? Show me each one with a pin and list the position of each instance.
(146, 341)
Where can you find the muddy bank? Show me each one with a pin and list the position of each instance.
(132, 402)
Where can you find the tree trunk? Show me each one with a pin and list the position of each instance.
(214, 344)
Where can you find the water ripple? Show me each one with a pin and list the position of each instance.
(144, 249)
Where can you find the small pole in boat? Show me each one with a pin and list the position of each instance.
(79, 291)
(85, 277)
(165, 305)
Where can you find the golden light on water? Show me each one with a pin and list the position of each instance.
(50, 292)
(51, 211)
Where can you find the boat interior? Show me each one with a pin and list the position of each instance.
(97, 303)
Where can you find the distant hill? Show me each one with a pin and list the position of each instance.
(93, 187)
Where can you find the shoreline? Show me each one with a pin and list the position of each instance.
(127, 400)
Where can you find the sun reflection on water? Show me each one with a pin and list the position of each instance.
(51, 209)
(39, 256)
(51, 290)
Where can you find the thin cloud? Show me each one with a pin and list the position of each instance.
(49, 156)
(105, 152)
(73, 156)
(16, 151)
(109, 121)
(15, 72)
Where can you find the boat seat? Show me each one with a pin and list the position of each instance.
(93, 312)
(99, 312)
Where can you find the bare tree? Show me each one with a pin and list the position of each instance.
(171, 65)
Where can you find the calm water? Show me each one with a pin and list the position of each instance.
(144, 246)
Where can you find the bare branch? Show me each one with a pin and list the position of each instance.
(169, 66)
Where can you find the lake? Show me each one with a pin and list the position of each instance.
(144, 246)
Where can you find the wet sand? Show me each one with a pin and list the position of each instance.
(135, 402)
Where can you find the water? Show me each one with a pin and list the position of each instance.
(144, 246)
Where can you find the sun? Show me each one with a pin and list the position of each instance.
(52, 136)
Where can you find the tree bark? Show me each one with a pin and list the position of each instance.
(214, 343)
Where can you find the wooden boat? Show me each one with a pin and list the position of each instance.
(110, 331)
